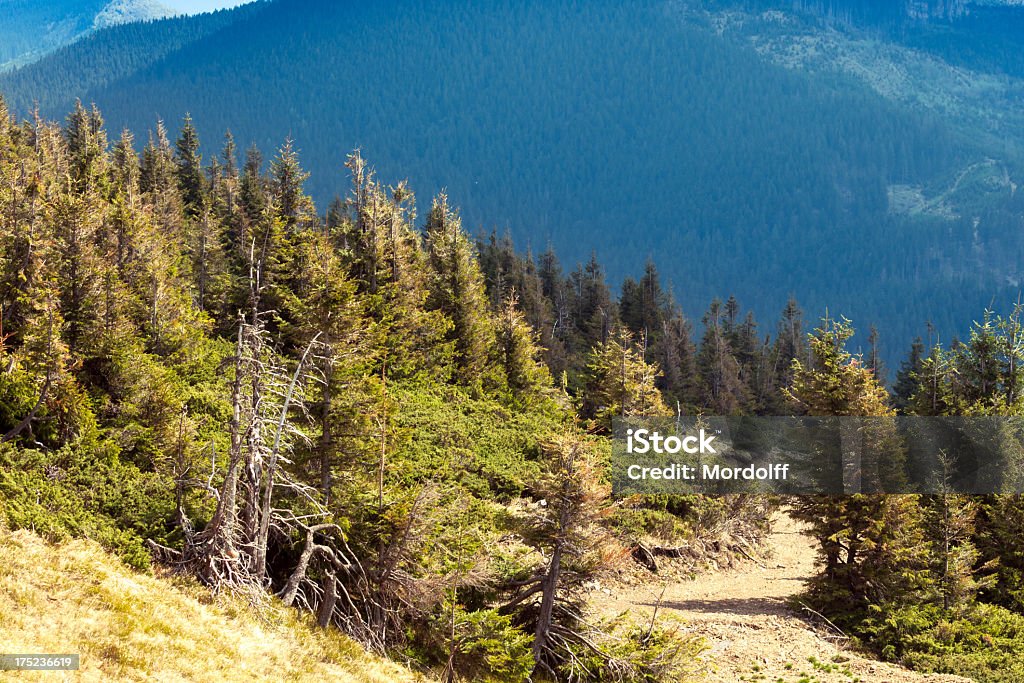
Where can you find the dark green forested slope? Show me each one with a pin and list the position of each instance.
(599, 126)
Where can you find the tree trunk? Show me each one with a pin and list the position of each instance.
(547, 603)
(326, 611)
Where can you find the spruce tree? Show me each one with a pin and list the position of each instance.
(287, 177)
(567, 528)
(908, 377)
(596, 315)
(87, 145)
(949, 522)
(457, 289)
(789, 346)
(869, 544)
(676, 355)
(157, 174)
(189, 169)
(619, 382)
(722, 388)
(527, 377)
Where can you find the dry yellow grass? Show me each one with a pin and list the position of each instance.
(74, 598)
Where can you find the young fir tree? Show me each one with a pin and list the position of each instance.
(999, 527)
(526, 376)
(949, 522)
(619, 382)
(982, 378)
(567, 528)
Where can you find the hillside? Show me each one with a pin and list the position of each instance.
(736, 174)
(407, 433)
(104, 56)
(33, 29)
(75, 598)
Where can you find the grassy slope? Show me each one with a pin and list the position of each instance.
(75, 598)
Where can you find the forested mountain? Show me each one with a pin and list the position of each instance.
(406, 433)
(106, 56)
(31, 29)
(597, 127)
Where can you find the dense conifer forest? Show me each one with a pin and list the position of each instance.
(404, 429)
(589, 126)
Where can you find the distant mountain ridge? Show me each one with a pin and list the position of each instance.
(31, 29)
(125, 11)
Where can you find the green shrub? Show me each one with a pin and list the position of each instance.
(983, 642)
(479, 645)
(75, 493)
(637, 652)
(479, 443)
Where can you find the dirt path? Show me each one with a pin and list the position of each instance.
(751, 634)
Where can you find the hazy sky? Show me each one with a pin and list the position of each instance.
(200, 5)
